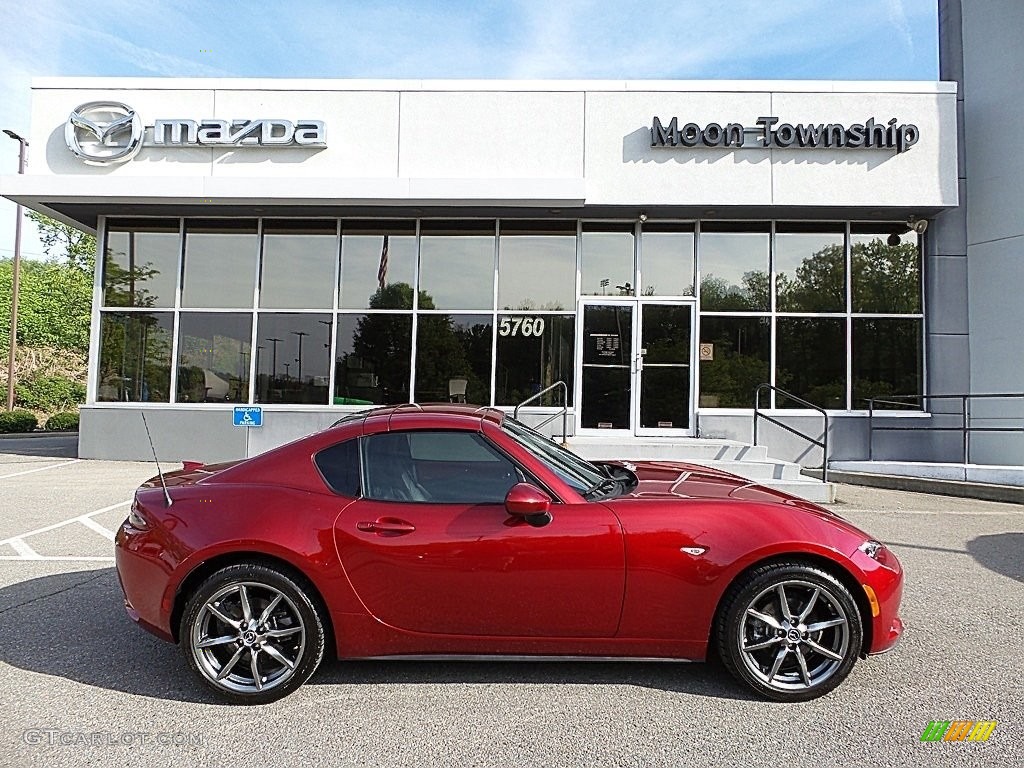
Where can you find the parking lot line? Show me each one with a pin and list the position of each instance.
(62, 523)
(25, 552)
(61, 558)
(88, 522)
(40, 469)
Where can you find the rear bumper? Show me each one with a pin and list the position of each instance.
(144, 582)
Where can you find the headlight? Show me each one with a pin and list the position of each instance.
(872, 549)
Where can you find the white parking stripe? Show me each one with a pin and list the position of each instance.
(25, 552)
(88, 522)
(61, 524)
(46, 559)
(40, 469)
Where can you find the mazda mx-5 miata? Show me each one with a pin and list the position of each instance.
(454, 532)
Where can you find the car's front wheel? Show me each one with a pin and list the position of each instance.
(252, 633)
(791, 631)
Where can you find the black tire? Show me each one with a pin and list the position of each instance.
(793, 655)
(268, 656)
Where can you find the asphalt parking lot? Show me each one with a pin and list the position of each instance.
(80, 685)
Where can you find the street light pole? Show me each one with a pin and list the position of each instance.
(15, 275)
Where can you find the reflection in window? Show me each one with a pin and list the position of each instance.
(293, 353)
(135, 357)
(887, 359)
(734, 267)
(453, 358)
(457, 264)
(811, 360)
(537, 265)
(886, 270)
(220, 264)
(667, 260)
(213, 357)
(375, 256)
(810, 268)
(740, 355)
(298, 264)
(534, 351)
(372, 361)
(607, 267)
(140, 268)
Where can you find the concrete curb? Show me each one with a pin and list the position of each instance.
(982, 491)
(24, 435)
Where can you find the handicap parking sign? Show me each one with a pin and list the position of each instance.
(248, 416)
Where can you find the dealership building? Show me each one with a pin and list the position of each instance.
(316, 247)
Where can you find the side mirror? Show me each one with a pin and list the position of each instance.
(529, 503)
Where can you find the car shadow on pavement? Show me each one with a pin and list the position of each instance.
(73, 625)
(1000, 552)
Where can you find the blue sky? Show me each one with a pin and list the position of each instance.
(684, 39)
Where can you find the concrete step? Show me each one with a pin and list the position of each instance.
(748, 461)
(676, 449)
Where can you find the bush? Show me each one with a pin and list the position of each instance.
(66, 421)
(17, 421)
(49, 393)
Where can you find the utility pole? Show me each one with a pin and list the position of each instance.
(15, 275)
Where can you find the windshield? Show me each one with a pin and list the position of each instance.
(577, 472)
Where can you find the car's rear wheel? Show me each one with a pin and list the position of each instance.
(252, 633)
(791, 631)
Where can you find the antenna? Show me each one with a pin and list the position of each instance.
(160, 472)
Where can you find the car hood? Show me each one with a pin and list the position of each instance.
(674, 479)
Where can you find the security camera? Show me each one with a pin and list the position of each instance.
(643, 217)
(917, 225)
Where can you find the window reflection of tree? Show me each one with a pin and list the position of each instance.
(135, 357)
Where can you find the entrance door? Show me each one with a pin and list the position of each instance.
(636, 366)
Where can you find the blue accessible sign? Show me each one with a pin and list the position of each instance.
(248, 416)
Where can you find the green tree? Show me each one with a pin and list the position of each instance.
(62, 241)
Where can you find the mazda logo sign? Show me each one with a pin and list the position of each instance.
(104, 132)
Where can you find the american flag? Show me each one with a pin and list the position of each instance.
(382, 270)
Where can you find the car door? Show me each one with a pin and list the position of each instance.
(430, 547)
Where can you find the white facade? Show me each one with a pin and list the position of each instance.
(496, 150)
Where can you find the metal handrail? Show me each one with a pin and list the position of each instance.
(823, 443)
(564, 412)
(965, 427)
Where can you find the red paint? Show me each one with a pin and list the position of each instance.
(601, 578)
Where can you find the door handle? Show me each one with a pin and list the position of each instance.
(386, 526)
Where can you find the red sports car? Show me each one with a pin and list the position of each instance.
(449, 531)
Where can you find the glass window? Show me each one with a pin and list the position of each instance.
(734, 267)
(736, 357)
(220, 264)
(135, 357)
(213, 357)
(811, 360)
(886, 266)
(140, 268)
(372, 361)
(298, 264)
(436, 467)
(378, 262)
(453, 358)
(339, 466)
(534, 351)
(537, 265)
(810, 268)
(667, 260)
(607, 267)
(293, 354)
(457, 265)
(887, 358)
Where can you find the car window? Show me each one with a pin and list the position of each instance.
(339, 466)
(436, 467)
